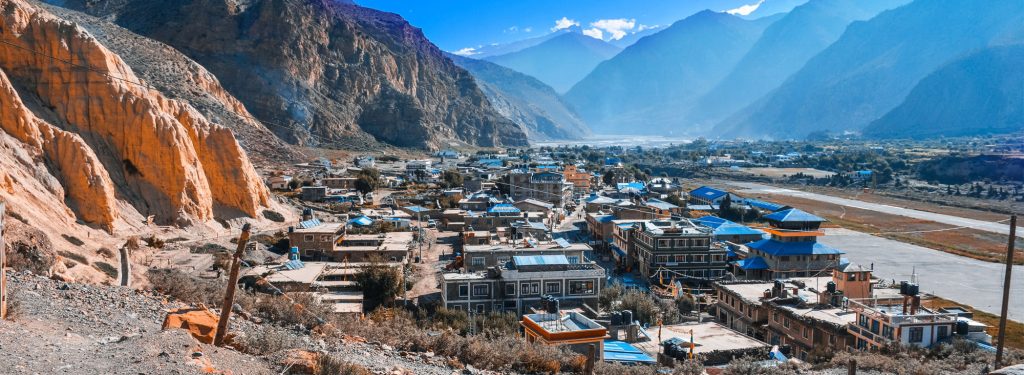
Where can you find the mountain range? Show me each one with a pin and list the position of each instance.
(560, 61)
(525, 100)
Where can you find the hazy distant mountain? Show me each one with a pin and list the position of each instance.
(629, 39)
(773, 7)
(649, 85)
(561, 61)
(784, 48)
(874, 65)
(982, 93)
(519, 45)
(525, 100)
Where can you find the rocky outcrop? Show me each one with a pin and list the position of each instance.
(324, 72)
(107, 135)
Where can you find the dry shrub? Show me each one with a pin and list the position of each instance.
(753, 366)
(957, 356)
(187, 288)
(273, 216)
(267, 340)
(154, 242)
(107, 269)
(73, 240)
(300, 309)
(28, 248)
(330, 365)
(105, 252)
(74, 256)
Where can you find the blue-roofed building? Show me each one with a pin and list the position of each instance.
(764, 205)
(726, 230)
(707, 195)
(624, 353)
(792, 250)
(504, 209)
(662, 208)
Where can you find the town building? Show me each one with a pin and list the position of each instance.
(792, 250)
(881, 322)
(534, 205)
(713, 343)
(315, 239)
(707, 196)
(522, 283)
(480, 257)
(676, 249)
(580, 179)
(388, 247)
(569, 329)
(729, 231)
(545, 186)
(279, 182)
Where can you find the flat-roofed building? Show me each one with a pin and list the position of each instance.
(522, 283)
(480, 257)
(316, 240)
(677, 249)
(713, 342)
(569, 329)
(390, 247)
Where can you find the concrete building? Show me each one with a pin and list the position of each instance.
(881, 322)
(570, 329)
(481, 257)
(522, 284)
(679, 249)
(316, 240)
(388, 247)
(728, 231)
(791, 251)
(581, 180)
(545, 186)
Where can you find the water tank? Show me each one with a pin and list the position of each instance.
(627, 317)
(903, 287)
(616, 319)
(553, 306)
(307, 214)
(293, 253)
(831, 287)
(912, 289)
(962, 327)
(291, 229)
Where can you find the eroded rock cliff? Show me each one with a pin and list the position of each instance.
(328, 72)
(107, 136)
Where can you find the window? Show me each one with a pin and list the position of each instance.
(578, 287)
(574, 259)
(806, 332)
(463, 290)
(681, 243)
(510, 289)
(874, 326)
(775, 317)
(481, 290)
(664, 243)
(455, 307)
(478, 261)
(887, 331)
(552, 288)
(785, 322)
(308, 238)
(529, 288)
(480, 308)
(698, 258)
(504, 259)
(916, 334)
(943, 331)
(324, 238)
(662, 258)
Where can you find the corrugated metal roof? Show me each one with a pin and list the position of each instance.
(309, 224)
(793, 215)
(752, 263)
(707, 193)
(539, 260)
(619, 351)
(504, 208)
(777, 248)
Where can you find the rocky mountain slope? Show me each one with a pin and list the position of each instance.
(88, 149)
(324, 72)
(648, 86)
(561, 61)
(528, 102)
(982, 93)
(875, 64)
(782, 49)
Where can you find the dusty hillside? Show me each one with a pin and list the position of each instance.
(88, 149)
(333, 73)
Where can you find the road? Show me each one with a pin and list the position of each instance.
(988, 226)
(952, 277)
(125, 271)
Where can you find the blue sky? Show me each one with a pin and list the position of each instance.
(457, 24)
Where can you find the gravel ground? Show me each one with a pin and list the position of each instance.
(62, 328)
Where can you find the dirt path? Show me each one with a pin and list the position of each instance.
(126, 268)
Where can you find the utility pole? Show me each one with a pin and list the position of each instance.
(3, 265)
(1006, 290)
(229, 295)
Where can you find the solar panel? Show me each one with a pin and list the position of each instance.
(563, 243)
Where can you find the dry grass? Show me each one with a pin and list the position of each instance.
(331, 365)
(107, 269)
(185, 287)
(955, 357)
(1014, 330)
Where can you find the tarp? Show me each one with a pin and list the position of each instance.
(619, 351)
(201, 323)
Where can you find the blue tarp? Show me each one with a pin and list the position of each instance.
(503, 208)
(752, 263)
(618, 351)
(777, 248)
(362, 221)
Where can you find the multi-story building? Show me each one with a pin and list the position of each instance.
(881, 322)
(316, 240)
(678, 248)
(791, 251)
(545, 186)
(580, 179)
(522, 283)
(569, 329)
(480, 257)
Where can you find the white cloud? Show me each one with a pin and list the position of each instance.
(616, 28)
(564, 23)
(512, 29)
(528, 30)
(468, 51)
(594, 33)
(745, 10)
(643, 27)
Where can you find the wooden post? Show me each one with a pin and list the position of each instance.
(3, 265)
(229, 295)
(591, 359)
(1006, 290)
(851, 368)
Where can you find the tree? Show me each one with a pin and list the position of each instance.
(725, 207)
(451, 178)
(608, 177)
(367, 180)
(379, 282)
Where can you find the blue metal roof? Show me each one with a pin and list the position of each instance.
(793, 215)
(776, 248)
(537, 260)
(417, 209)
(637, 185)
(563, 243)
(605, 218)
(733, 229)
(361, 221)
(752, 263)
(504, 208)
(711, 221)
(660, 204)
(620, 252)
(309, 224)
(619, 351)
(763, 204)
(707, 193)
